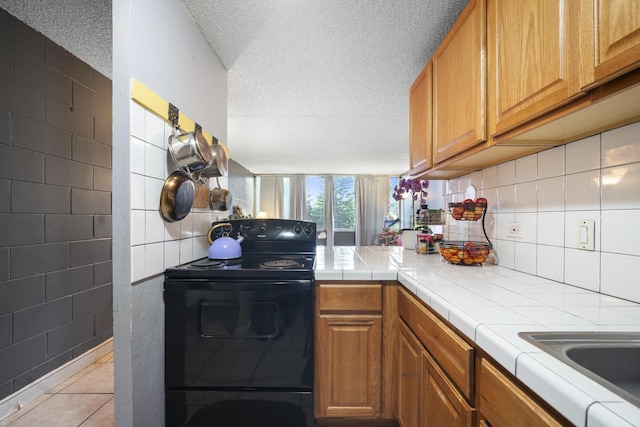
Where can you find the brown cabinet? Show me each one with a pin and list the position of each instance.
(433, 364)
(409, 375)
(513, 78)
(537, 58)
(348, 350)
(502, 403)
(447, 347)
(420, 123)
(617, 38)
(441, 403)
(459, 85)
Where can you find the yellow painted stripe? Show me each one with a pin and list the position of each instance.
(156, 104)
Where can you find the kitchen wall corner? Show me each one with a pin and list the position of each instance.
(242, 187)
(144, 244)
(547, 194)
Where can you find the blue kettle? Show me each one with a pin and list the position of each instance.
(225, 247)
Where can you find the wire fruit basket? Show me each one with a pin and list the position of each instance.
(465, 253)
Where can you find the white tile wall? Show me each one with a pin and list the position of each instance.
(547, 194)
(584, 156)
(157, 244)
(551, 194)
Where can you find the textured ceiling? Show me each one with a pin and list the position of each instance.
(322, 86)
(83, 27)
(315, 86)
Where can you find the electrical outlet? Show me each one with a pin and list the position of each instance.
(514, 230)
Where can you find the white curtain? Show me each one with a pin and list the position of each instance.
(372, 197)
(328, 208)
(272, 196)
(298, 197)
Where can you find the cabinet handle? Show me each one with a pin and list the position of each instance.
(350, 322)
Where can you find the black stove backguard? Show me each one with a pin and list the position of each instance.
(238, 337)
(270, 235)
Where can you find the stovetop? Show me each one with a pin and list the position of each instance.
(272, 249)
(262, 266)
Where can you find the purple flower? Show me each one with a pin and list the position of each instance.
(416, 187)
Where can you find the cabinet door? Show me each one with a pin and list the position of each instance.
(442, 405)
(502, 403)
(459, 84)
(534, 58)
(409, 373)
(617, 38)
(420, 140)
(349, 365)
(452, 352)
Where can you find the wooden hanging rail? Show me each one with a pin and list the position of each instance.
(154, 103)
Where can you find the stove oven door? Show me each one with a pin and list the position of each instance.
(244, 335)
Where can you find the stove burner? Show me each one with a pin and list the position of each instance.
(207, 263)
(281, 264)
(215, 263)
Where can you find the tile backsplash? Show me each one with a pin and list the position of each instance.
(546, 194)
(155, 243)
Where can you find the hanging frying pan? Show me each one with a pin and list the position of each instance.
(176, 199)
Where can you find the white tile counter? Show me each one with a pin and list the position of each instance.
(491, 305)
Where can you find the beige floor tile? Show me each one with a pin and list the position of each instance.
(98, 380)
(73, 378)
(104, 417)
(63, 410)
(106, 358)
(26, 408)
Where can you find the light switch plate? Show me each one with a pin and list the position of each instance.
(586, 234)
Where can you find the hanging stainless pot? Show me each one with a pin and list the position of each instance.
(176, 198)
(191, 153)
(220, 163)
(220, 199)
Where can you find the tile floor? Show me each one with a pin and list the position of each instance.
(84, 400)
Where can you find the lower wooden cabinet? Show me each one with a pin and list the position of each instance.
(409, 373)
(426, 397)
(381, 353)
(349, 350)
(350, 360)
(441, 403)
(501, 402)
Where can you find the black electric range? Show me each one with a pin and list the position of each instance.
(239, 332)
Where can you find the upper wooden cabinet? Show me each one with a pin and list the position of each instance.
(420, 123)
(514, 77)
(537, 58)
(617, 38)
(459, 84)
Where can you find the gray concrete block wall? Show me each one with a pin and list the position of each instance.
(55, 206)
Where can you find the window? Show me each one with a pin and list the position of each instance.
(315, 200)
(344, 203)
(392, 216)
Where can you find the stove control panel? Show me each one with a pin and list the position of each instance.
(268, 230)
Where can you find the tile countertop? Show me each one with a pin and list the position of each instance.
(491, 305)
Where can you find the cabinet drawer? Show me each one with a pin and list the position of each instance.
(350, 298)
(451, 352)
(503, 403)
